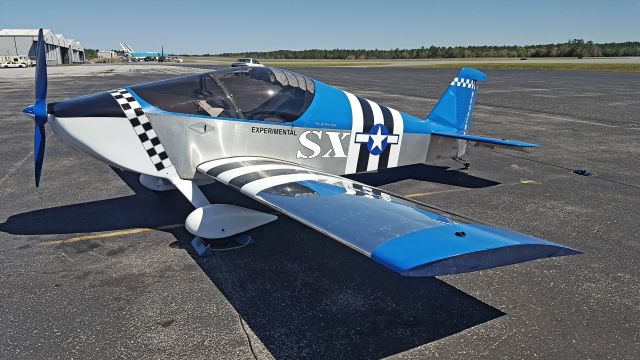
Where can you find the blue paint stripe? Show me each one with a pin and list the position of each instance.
(484, 139)
(330, 109)
(460, 248)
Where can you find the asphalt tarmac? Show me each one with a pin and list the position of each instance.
(92, 265)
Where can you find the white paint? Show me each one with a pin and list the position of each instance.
(336, 144)
(206, 166)
(229, 175)
(398, 129)
(191, 191)
(220, 220)
(378, 118)
(310, 145)
(356, 127)
(109, 139)
(255, 187)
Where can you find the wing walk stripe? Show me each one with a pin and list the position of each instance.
(383, 163)
(378, 118)
(205, 167)
(229, 175)
(398, 127)
(356, 127)
(235, 165)
(367, 120)
(243, 180)
(254, 187)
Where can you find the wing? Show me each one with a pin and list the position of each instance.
(395, 232)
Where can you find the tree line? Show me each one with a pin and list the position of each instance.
(572, 48)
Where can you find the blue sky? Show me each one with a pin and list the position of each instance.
(213, 26)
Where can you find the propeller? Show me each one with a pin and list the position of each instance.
(40, 107)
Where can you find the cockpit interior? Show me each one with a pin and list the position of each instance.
(261, 93)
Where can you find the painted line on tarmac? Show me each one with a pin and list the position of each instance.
(111, 234)
(410, 196)
(17, 166)
(524, 181)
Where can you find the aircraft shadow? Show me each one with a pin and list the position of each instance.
(422, 172)
(302, 294)
(306, 296)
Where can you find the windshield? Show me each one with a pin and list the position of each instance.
(196, 94)
(259, 93)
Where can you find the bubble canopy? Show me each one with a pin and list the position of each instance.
(260, 93)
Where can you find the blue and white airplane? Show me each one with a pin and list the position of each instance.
(285, 140)
(140, 55)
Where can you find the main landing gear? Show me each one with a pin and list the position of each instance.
(224, 222)
(462, 161)
(216, 227)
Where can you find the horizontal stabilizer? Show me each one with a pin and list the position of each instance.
(486, 141)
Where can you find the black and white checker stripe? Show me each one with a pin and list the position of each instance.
(465, 83)
(143, 129)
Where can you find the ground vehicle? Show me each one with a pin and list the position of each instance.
(246, 62)
(12, 64)
(174, 59)
(16, 61)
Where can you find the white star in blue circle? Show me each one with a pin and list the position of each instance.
(377, 139)
(377, 143)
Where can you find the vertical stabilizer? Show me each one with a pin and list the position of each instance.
(454, 110)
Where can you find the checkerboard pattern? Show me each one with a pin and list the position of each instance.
(143, 128)
(462, 82)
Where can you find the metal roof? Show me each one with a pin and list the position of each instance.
(62, 40)
(75, 44)
(49, 36)
(22, 32)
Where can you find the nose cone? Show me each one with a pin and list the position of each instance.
(30, 110)
(95, 105)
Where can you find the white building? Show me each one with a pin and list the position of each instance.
(22, 42)
(107, 54)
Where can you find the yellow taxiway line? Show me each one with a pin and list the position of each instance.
(111, 234)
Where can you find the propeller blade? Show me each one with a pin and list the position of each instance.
(38, 150)
(40, 108)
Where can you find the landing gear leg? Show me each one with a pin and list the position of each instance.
(217, 227)
(462, 161)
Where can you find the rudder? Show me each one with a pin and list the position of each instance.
(454, 110)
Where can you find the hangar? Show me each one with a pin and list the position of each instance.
(22, 42)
